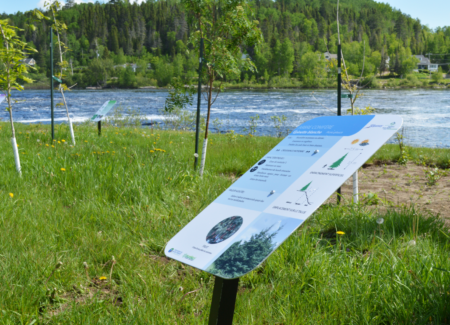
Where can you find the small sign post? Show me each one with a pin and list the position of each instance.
(254, 216)
(101, 113)
(223, 301)
(347, 96)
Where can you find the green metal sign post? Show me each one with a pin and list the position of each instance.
(339, 113)
(51, 85)
(199, 98)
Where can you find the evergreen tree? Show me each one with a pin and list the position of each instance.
(243, 256)
(114, 40)
(286, 55)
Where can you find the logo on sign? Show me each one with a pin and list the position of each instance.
(189, 257)
(175, 251)
(390, 126)
(374, 126)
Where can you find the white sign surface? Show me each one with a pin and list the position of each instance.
(2, 98)
(248, 221)
(106, 107)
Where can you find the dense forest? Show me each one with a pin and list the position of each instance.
(130, 45)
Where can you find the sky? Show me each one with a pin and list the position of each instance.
(434, 13)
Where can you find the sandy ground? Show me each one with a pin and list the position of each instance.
(396, 186)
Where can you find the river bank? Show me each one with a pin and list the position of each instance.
(411, 81)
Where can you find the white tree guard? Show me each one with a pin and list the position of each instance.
(72, 134)
(202, 163)
(355, 187)
(16, 155)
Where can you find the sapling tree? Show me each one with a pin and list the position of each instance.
(12, 71)
(59, 27)
(225, 26)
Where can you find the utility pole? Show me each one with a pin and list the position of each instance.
(51, 85)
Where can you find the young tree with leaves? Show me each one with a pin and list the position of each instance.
(12, 51)
(225, 26)
(58, 26)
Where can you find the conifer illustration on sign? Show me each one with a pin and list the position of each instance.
(338, 162)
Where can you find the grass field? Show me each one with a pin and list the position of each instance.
(106, 207)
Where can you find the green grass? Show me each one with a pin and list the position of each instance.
(117, 198)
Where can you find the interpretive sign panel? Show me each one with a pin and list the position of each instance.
(248, 221)
(106, 107)
(2, 98)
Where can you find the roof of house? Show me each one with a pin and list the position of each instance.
(423, 60)
(330, 56)
(29, 61)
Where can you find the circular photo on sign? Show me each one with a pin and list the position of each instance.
(253, 169)
(262, 162)
(224, 230)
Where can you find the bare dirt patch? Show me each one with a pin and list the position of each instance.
(398, 186)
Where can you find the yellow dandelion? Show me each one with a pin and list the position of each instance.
(11, 195)
(17, 145)
(63, 140)
(59, 142)
(102, 278)
(170, 142)
(46, 145)
(154, 142)
(340, 233)
(151, 151)
(85, 141)
(54, 140)
(143, 164)
(49, 157)
(110, 142)
(63, 169)
(53, 146)
(124, 147)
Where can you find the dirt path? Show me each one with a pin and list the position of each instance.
(396, 186)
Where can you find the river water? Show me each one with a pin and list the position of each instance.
(426, 113)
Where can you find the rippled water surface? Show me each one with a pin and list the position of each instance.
(426, 113)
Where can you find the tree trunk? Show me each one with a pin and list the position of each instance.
(72, 134)
(8, 94)
(205, 142)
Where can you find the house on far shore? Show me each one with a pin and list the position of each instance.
(328, 56)
(425, 64)
(29, 61)
(133, 66)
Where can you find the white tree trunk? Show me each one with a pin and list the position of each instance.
(202, 163)
(355, 187)
(16, 155)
